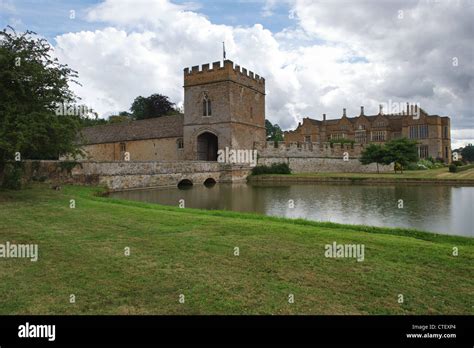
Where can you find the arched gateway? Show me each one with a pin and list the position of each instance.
(207, 146)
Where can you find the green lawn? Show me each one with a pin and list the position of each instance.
(441, 174)
(183, 251)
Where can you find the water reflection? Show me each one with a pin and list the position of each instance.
(443, 209)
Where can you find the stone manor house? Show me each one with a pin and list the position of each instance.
(432, 132)
(224, 106)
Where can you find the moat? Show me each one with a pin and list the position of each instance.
(440, 209)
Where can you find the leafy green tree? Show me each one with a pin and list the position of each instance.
(32, 84)
(274, 132)
(401, 151)
(374, 153)
(123, 116)
(467, 153)
(92, 120)
(156, 105)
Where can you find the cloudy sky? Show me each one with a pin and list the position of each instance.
(317, 56)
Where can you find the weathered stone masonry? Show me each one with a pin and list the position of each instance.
(129, 175)
(317, 157)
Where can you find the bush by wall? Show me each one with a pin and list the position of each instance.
(453, 168)
(12, 176)
(425, 164)
(275, 168)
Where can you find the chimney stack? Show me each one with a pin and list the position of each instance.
(324, 117)
(380, 109)
(408, 109)
(344, 112)
(361, 110)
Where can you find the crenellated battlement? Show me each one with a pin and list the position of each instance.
(203, 68)
(216, 72)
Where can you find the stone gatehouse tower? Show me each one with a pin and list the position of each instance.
(223, 107)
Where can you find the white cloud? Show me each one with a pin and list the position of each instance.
(410, 45)
(462, 137)
(339, 55)
(267, 9)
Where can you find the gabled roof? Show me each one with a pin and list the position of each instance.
(152, 128)
(315, 122)
(393, 119)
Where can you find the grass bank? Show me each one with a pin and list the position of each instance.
(430, 176)
(185, 251)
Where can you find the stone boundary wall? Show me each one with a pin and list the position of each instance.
(325, 165)
(317, 157)
(130, 175)
(295, 149)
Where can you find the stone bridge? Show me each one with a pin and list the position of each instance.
(131, 175)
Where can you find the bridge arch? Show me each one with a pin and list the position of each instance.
(209, 182)
(185, 183)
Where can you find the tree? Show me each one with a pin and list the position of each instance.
(92, 121)
(467, 153)
(374, 153)
(274, 132)
(123, 116)
(32, 84)
(401, 151)
(156, 105)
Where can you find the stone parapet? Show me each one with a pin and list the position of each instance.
(325, 165)
(295, 149)
(128, 175)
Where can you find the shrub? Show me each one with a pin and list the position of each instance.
(422, 166)
(453, 168)
(425, 164)
(412, 166)
(12, 175)
(275, 168)
(457, 163)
